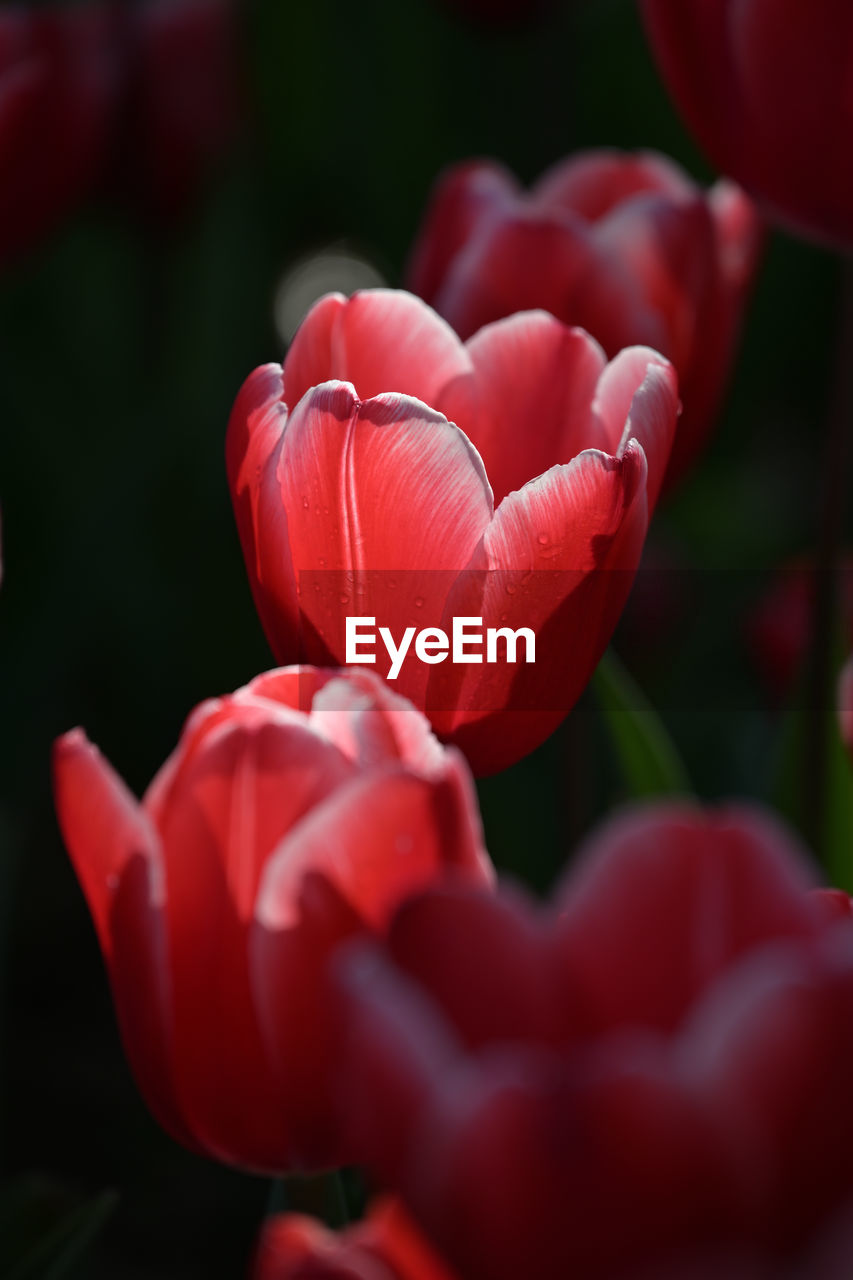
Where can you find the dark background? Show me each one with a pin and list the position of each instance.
(124, 600)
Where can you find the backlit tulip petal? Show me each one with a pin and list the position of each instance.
(270, 776)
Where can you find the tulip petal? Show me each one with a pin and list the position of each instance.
(385, 500)
(525, 259)
(637, 399)
(103, 825)
(504, 1146)
(377, 840)
(116, 855)
(526, 403)
(230, 804)
(665, 899)
(485, 960)
(255, 435)
(558, 558)
(396, 1047)
(380, 340)
(464, 197)
(593, 183)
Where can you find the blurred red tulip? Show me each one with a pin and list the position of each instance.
(386, 1246)
(767, 88)
(373, 500)
(778, 629)
(180, 100)
(625, 245)
(651, 1080)
(57, 78)
(294, 812)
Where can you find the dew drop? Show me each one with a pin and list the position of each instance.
(344, 598)
(322, 563)
(306, 504)
(511, 588)
(543, 539)
(419, 602)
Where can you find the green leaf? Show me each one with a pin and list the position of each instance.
(649, 762)
(40, 1242)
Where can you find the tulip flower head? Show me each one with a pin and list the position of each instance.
(624, 245)
(766, 86)
(389, 473)
(295, 812)
(652, 1079)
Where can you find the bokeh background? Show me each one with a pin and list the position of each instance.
(123, 341)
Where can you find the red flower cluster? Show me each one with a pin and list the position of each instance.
(627, 246)
(651, 1079)
(415, 490)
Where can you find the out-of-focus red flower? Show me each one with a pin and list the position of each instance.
(377, 497)
(778, 629)
(386, 1246)
(179, 102)
(767, 88)
(57, 78)
(651, 1080)
(625, 245)
(294, 812)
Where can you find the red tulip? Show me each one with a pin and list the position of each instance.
(179, 104)
(294, 812)
(386, 1246)
(56, 81)
(374, 500)
(767, 88)
(779, 627)
(652, 1079)
(625, 245)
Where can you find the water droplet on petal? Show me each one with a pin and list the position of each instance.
(543, 539)
(419, 602)
(344, 598)
(511, 588)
